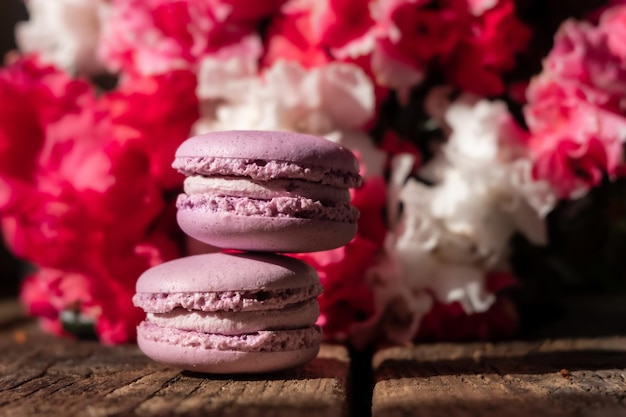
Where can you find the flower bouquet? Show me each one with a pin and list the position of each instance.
(490, 135)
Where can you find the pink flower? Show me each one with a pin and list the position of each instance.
(581, 60)
(573, 167)
(157, 36)
(487, 49)
(48, 292)
(575, 111)
(100, 295)
(613, 24)
(90, 192)
(154, 115)
(31, 96)
(308, 30)
(339, 22)
(89, 212)
(401, 38)
(346, 299)
(407, 37)
(292, 36)
(417, 34)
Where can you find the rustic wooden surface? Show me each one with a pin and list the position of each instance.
(42, 375)
(564, 370)
(576, 368)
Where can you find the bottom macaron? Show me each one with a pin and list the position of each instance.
(230, 313)
(264, 351)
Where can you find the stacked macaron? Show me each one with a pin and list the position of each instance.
(243, 312)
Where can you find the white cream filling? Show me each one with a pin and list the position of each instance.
(237, 322)
(244, 187)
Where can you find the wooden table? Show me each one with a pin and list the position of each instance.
(554, 375)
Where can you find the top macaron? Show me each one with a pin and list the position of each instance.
(267, 191)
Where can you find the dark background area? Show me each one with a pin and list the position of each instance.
(11, 11)
(11, 270)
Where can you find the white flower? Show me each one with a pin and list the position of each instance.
(478, 7)
(334, 101)
(432, 257)
(447, 237)
(485, 171)
(64, 32)
(228, 73)
(475, 130)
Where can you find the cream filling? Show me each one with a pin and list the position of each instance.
(264, 190)
(231, 323)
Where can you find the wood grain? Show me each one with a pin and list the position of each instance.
(41, 375)
(564, 372)
(559, 377)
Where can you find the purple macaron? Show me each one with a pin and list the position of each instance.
(230, 313)
(267, 191)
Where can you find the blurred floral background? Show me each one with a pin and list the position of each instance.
(490, 133)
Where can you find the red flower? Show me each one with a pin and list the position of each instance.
(31, 96)
(248, 10)
(100, 295)
(340, 22)
(347, 298)
(449, 322)
(423, 33)
(155, 115)
(574, 167)
(487, 50)
(292, 36)
(158, 36)
(88, 211)
(394, 145)
(308, 31)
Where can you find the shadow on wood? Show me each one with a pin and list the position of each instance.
(554, 377)
(539, 363)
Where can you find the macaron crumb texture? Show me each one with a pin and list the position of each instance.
(248, 312)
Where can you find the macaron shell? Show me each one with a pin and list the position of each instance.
(224, 362)
(268, 234)
(270, 146)
(215, 272)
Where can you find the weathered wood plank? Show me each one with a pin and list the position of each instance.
(581, 376)
(41, 375)
(575, 365)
